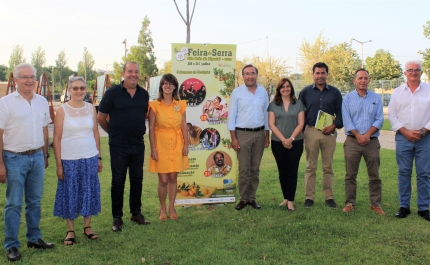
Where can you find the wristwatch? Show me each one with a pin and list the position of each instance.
(46, 155)
(100, 158)
(423, 133)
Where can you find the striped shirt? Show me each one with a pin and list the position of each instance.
(360, 113)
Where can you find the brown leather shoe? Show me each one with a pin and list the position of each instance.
(139, 219)
(377, 210)
(348, 208)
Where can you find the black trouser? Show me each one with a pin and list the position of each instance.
(288, 164)
(123, 158)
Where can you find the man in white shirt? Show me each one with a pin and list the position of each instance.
(249, 131)
(24, 119)
(409, 115)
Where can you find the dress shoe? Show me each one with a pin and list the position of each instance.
(240, 205)
(331, 203)
(117, 225)
(40, 244)
(424, 214)
(402, 212)
(13, 254)
(139, 219)
(348, 208)
(308, 203)
(254, 205)
(377, 209)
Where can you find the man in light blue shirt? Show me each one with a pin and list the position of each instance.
(249, 131)
(363, 117)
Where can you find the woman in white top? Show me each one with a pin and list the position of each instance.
(78, 159)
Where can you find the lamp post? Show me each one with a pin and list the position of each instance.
(125, 47)
(361, 42)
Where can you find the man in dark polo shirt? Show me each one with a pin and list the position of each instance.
(126, 104)
(315, 97)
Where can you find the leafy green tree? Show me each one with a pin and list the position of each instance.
(60, 64)
(38, 59)
(311, 53)
(85, 66)
(142, 54)
(3, 71)
(382, 66)
(16, 57)
(341, 59)
(426, 52)
(167, 69)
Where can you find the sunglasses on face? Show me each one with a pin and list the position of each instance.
(76, 88)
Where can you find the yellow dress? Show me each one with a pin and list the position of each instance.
(169, 139)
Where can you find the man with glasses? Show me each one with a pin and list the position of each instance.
(24, 119)
(316, 97)
(127, 105)
(409, 115)
(249, 131)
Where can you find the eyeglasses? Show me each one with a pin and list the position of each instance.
(76, 88)
(168, 84)
(250, 74)
(32, 77)
(413, 71)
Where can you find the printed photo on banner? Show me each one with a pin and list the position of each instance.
(193, 91)
(215, 110)
(218, 164)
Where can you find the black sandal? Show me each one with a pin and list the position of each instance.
(69, 239)
(91, 236)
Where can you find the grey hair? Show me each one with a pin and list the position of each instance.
(414, 62)
(74, 79)
(130, 62)
(23, 65)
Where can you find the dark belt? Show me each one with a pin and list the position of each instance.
(355, 137)
(28, 152)
(250, 129)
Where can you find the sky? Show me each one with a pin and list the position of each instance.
(258, 27)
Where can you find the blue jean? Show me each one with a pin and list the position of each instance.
(406, 151)
(24, 174)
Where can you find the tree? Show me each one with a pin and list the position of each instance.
(311, 53)
(341, 59)
(426, 52)
(85, 66)
(189, 19)
(344, 61)
(3, 71)
(16, 57)
(142, 54)
(270, 71)
(38, 59)
(60, 64)
(167, 69)
(382, 66)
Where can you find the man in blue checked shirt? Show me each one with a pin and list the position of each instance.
(363, 117)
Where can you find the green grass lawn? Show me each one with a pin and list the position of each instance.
(222, 235)
(387, 125)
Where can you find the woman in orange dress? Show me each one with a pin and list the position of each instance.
(168, 135)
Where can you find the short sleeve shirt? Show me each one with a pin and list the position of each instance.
(286, 122)
(126, 115)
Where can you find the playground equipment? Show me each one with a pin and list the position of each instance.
(11, 87)
(44, 90)
(102, 84)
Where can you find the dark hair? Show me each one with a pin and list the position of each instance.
(249, 65)
(131, 62)
(193, 130)
(320, 65)
(219, 153)
(171, 79)
(278, 98)
(361, 69)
